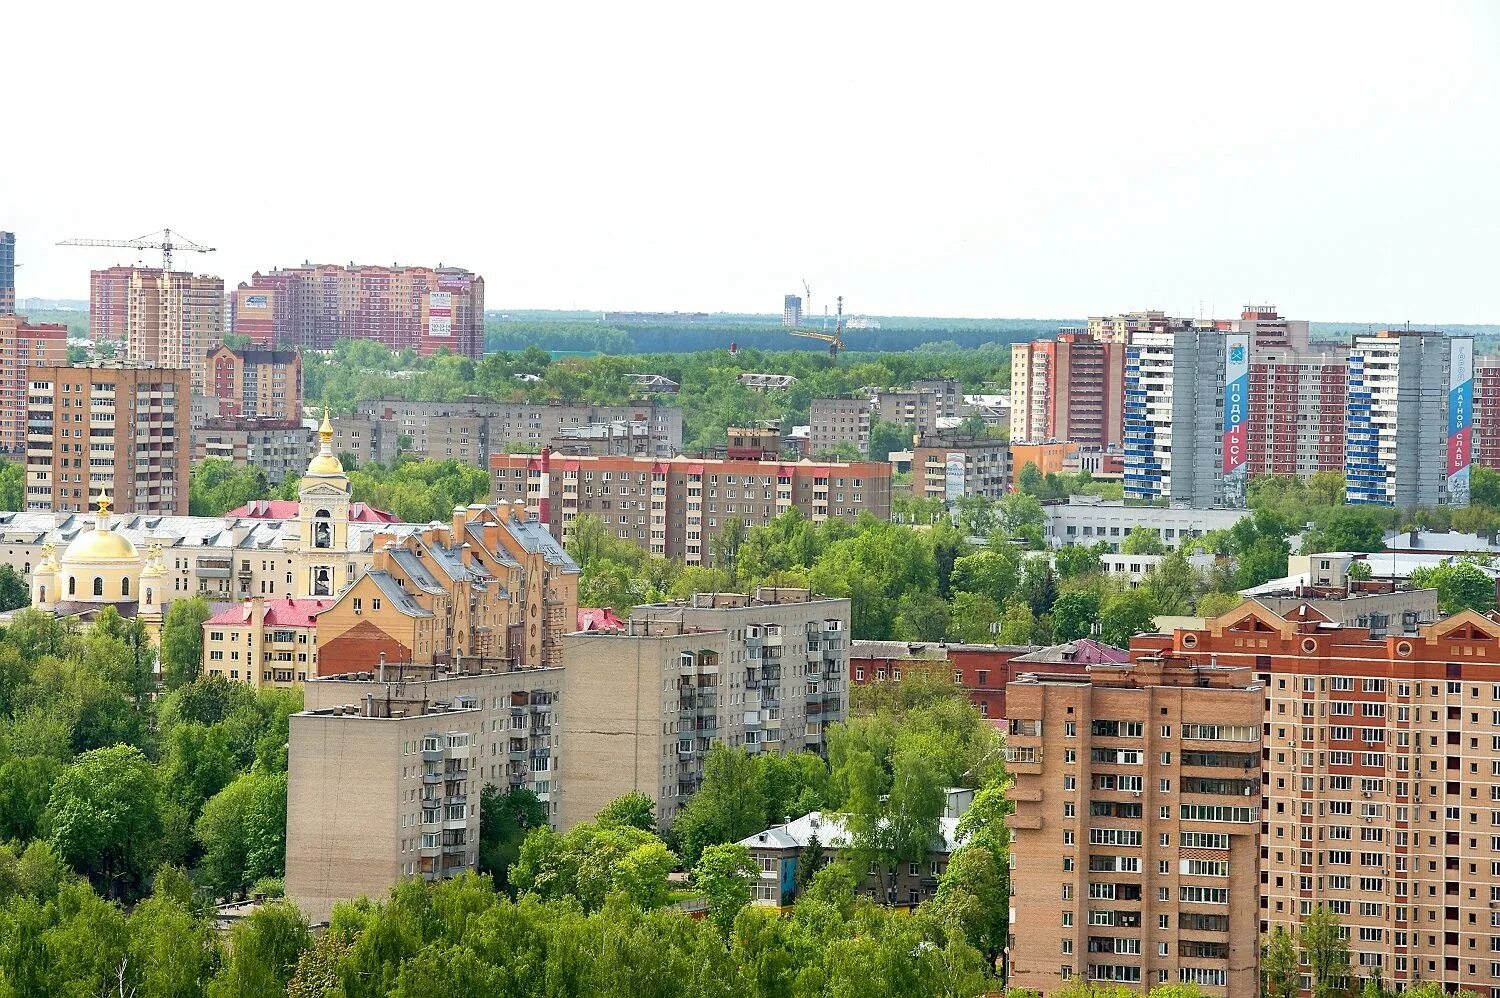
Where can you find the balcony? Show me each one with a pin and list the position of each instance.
(432, 755)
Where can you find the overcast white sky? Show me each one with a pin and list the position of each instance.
(1049, 160)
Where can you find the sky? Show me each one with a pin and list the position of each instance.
(1340, 160)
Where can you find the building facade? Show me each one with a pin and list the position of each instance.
(646, 703)
(1409, 419)
(675, 508)
(166, 318)
(1136, 830)
(24, 347)
(471, 430)
(114, 428)
(1174, 418)
(264, 642)
(403, 308)
(791, 310)
(278, 447)
(1088, 520)
(1379, 800)
(265, 384)
(840, 422)
(948, 465)
(1070, 388)
(1487, 411)
(385, 771)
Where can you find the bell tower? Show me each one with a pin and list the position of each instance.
(321, 549)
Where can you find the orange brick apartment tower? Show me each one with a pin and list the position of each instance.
(167, 318)
(1136, 826)
(114, 428)
(1382, 792)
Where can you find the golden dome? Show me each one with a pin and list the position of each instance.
(101, 544)
(326, 462)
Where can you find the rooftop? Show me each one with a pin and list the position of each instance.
(279, 613)
(830, 831)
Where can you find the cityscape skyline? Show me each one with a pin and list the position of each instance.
(582, 193)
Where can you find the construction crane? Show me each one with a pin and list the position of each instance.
(166, 240)
(806, 297)
(835, 339)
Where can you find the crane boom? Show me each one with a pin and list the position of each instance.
(166, 240)
(835, 339)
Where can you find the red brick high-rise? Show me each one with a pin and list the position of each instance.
(1487, 411)
(23, 348)
(404, 308)
(1070, 388)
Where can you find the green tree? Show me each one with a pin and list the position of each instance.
(1360, 571)
(972, 617)
(1124, 615)
(1325, 952)
(173, 949)
(593, 862)
(809, 861)
(1077, 560)
(263, 953)
(1461, 586)
(216, 486)
(973, 894)
(105, 816)
(182, 640)
(724, 875)
(1345, 528)
(1075, 613)
(1030, 479)
(993, 573)
(243, 832)
(729, 804)
(505, 819)
(633, 810)
(891, 823)
(1143, 540)
(1211, 605)
(12, 485)
(1279, 964)
(1021, 519)
(1170, 584)
(14, 593)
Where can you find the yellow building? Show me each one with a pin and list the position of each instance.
(100, 568)
(264, 642)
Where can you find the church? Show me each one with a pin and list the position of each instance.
(101, 568)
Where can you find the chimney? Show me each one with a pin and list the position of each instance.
(1413, 537)
(460, 518)
(369, 705)
(381, 670)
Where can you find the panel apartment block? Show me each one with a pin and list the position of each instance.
(7, 273)
(675, 508)
(1136, 826)
(837, 422)
(264, 384)
(1174, 417)
(645, 704)
(114, 428)
(385, 771)
(470, 430)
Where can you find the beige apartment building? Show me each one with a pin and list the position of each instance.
(948, 465)
(167, 318)
(115, 428)
(385, 771)
(472, 429)
(836, 422)
(1136, 826)
(1380, 800)
(676, 508)
(645, 704)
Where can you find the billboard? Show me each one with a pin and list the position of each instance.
(953, 476)
(439, 325)
(1236, 416)
(1460, 418)
(440, 302)
(255, 301)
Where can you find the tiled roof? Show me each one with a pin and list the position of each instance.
(279, 613)
(602, 619)
(287, 509)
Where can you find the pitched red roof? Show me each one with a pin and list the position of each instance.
(602, 619)
(287, 509)
(279, 613)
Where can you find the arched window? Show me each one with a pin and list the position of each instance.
(41, 596)
(72, 586)
(322, 582)
(98, 586)
(149, 596)
(322, 529)
(125, 587)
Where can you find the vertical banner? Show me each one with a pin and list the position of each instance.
(1236, 417)
(1460, 418)
(953, 475)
